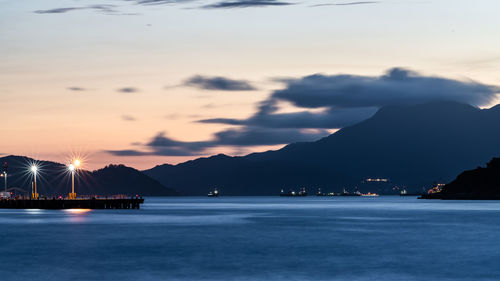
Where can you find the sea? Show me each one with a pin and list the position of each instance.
(256, 238)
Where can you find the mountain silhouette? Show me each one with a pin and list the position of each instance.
(53, 179)
(412, 145)
(480, 183)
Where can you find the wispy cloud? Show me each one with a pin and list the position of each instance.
(127, 117)
(104, 9)
(346, 4)
(127, 152)
(249, 136)
(58, 10)
(218, 83)
(224, 4)
(245, 4)
(77, 89)
(128, 90)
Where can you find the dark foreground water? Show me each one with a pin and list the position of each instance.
(244, 238)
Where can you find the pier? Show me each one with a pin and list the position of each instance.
(33, 200)
(57, 204)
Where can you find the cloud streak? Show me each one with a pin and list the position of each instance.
(77, 89)
(105, 9)
(218, 83)
(245, 4)
(128, 90)
(248, 136)
(127, 117)
(346, 4)
(225, 4)
(328, 119)
(58, 10)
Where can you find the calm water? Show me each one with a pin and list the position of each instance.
(261, 238)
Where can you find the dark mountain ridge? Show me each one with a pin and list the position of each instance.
(412, 145)
(480, 183)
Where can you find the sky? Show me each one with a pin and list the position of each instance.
(147, 82)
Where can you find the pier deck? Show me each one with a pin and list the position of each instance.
(94, 203)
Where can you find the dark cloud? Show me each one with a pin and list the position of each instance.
(58, 10)
(397, 86)
(127, 152)
(111, 9)
(128, 118)
(245, 4)
(254, 136)
(337, 100)
(128, 90)
(165, 146)
(77, 89)
(348, 99)
(248, 136)
(162, 145)
(346, 4)
(105, 9)
(218, 83)
(330, 118)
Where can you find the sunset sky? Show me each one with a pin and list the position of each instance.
(147, 82)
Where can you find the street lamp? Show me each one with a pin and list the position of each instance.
(5, 180)
(5, 167)
(72, 168)
(34, 170)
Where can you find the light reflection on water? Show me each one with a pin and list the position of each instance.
(33, 211)
(77, 211)
(257, 238)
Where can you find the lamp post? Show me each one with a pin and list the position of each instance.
(5, 180)
(5, 167)
(72, 168)
(34, 170)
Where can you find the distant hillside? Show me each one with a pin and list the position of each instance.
(411, 145)
(53, 179)
(481, 183)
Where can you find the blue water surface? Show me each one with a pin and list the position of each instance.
(256, 238)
